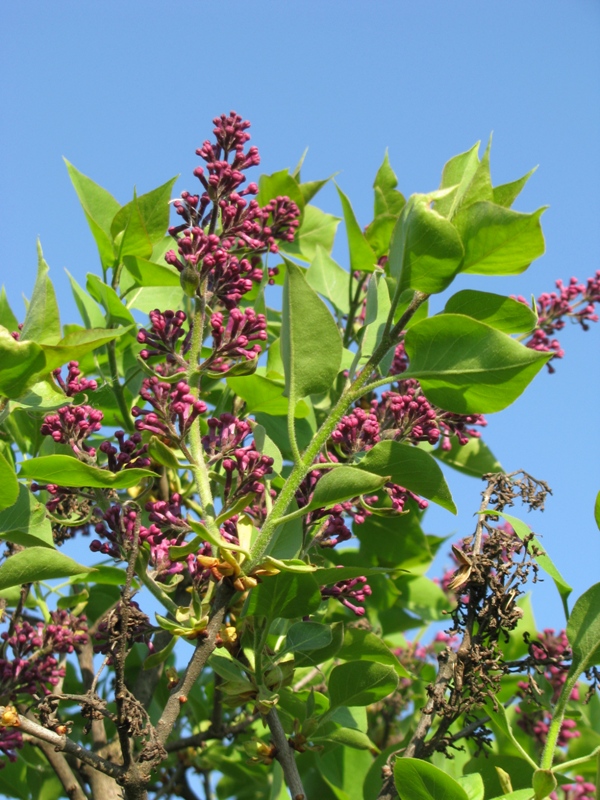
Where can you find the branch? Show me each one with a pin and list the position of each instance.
(164, 726)
(63, 744)
(284, 753)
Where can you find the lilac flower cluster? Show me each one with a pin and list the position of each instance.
(233, 342)
(34, 666)
(72, 425)
(162, 339)
(580, 790)
(74, 383)
(349, 592)
(575, 301)
(552, 653)
(131, 452)
(11, 740)
(229, 262)
(174, 409)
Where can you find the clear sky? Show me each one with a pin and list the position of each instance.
(127, 91)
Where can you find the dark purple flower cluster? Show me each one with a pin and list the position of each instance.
(553, 654)
(118, 529)
(11, 740)
(347, 591)
(575, 301)
(580, 790)
(72, 425)
(74, 383)
(175, 409)
(233, 342)
(131, 452)
(34, 666)
(162, 339)
(230, 261)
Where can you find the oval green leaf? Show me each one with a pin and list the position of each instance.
(311, 345)
(410, 467)
(468, 367)
(68, 471)
(419, 780)
(37, 564)
(344, 483)
(360, 683)
(9, 485)
(496, 310)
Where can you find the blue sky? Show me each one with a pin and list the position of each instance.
(127, 91)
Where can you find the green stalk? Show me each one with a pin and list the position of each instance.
(117, 388)
(301, 468)
(198, 465)
(555, 725)
(154, 589)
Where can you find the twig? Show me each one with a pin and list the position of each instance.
(198, 738)
(63, 744)
(285, 755)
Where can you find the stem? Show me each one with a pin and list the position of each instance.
(285, 755)
(300, 469)
(557, 720)
(154, 589)
(198, 464)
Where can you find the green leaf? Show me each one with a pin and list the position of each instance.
(306, 636)
(344, 483)
(519, 794)
(506, 194)
(90, 313)
(75, 345)
(161, 453)
(347, 737)
(499, 721)
(544, 783)
(379, 234)
(362, 257)
(523, 530)
(99, 207)
(147, 273)
(109, 299)
(363, 645)
(21, 363)
(426, 250)
(499, 241)
(360, 683)
(330, 575)
(502, 313)
(260, 394)
(473, 786)
(583, 631)
(377, 312)
(7, 318)
(411, 468)
(25, 522)
(37, 564)
(42, 396)
(129, 232)
(42, 321)
(153, 209)
(473, 458)
(287, 595)
(317, 229)
(597, 510)
(267, 447)
(387, 199)
(422, 597)
(68, 471)
(9, 485)
(475, 186)
(467, 367)
(159, 657)
(226, 668)
(324, 653)
(457, 172)
(329, 279)
(311, 346)
(394, 542)
(419, 780)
